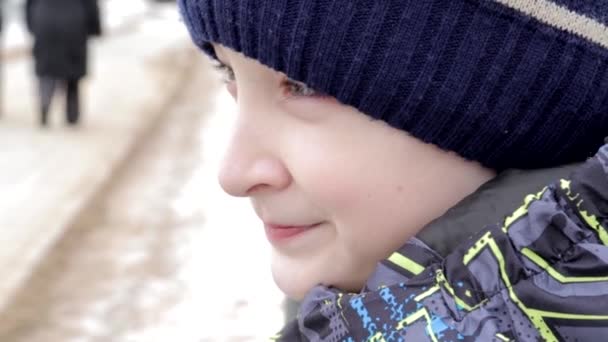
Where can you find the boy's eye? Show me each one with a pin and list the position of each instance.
(297, 88)
(228, 77)
(292, 87)
(226, 72)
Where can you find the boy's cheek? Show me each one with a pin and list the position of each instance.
(314, 109)
(344, 201)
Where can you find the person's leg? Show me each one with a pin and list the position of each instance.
(72, 102)
(47, 88)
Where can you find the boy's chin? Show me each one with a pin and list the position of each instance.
(295, 282)
(293, 286)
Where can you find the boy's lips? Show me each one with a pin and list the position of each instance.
(277, 233)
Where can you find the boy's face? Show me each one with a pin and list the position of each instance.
(336, 191)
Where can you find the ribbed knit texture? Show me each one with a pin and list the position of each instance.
(481, 78)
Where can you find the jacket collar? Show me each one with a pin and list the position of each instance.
(488, 205)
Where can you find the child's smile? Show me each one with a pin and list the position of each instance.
(278, 233)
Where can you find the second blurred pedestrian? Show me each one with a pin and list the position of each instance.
(61, 29)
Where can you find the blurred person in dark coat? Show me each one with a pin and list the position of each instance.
(61, 29)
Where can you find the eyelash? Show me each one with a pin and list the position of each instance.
(226, 72)
(293, 87)
(299, 88)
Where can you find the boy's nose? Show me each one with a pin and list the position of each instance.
(247, 170)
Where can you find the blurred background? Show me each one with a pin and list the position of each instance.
(114, 228)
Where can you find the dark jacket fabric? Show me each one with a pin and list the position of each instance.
(61, 29)
(539, 274)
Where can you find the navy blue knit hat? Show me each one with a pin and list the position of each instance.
(508, 83)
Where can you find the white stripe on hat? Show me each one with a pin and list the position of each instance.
(561, 17)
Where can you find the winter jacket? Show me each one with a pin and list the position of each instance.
(61, 29)
(539, 273)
